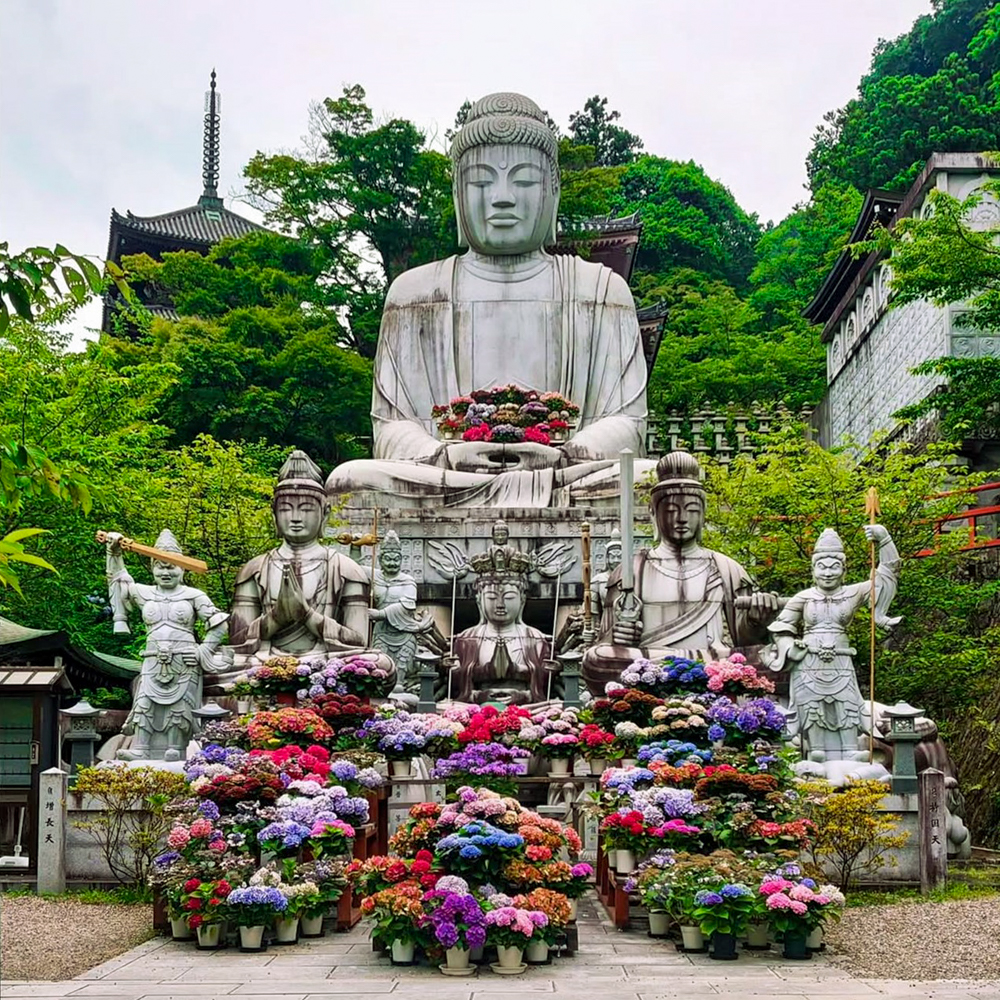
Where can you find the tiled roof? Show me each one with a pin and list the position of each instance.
(11, 632)
(197, 224)
(17, 640)
(603, 224)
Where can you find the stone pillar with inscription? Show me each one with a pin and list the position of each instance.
(933, 827)
(51, 857)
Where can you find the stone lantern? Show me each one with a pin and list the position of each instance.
(571, 677)
(210, 712)
(83, 735)
(904, 737)
(427, 675)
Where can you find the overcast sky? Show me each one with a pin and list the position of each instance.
(101, 101)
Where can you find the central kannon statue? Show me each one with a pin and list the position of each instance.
(504, 312)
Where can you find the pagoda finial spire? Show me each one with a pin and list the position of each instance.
(210, 155)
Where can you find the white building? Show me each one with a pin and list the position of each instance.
(870, 350)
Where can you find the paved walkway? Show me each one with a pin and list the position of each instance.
(609, 966)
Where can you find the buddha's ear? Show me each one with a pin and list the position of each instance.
(463, 240)
(554, 227)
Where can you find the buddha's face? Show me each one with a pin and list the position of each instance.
(505, 199)
(501, 534)
(299, 518)
(166, 575)
(502, 602)
(679, 517)
(390, 560)
(828, 572)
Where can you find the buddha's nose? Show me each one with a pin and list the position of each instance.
(504, 198)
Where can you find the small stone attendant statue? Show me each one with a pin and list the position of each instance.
(501, 658)
(810, 640)
(302, 598)
(397, 624)
(170, 684)
(688, 596)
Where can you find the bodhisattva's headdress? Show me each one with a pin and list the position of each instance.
(300, 475)
(506, 119)
(829, 546)
(501, 563)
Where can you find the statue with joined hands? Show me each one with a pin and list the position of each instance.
(504, 312)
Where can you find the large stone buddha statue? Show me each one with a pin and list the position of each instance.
(504, 312)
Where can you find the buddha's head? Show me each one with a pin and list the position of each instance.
(501, 598)
(500, 532)
(505, 177)
(300, 503)
(679, 499)
(829, 563)
(390, 554)
(166, 574)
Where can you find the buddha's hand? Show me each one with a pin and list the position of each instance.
(481, 456)
(762, 606)
(626, 633)
(876, 534)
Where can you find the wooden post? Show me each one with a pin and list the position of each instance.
(932, 820)
(51, 857)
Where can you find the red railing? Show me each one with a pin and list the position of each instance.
(981, 536)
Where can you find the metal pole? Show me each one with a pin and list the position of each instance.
(451, 637)
(627, 478)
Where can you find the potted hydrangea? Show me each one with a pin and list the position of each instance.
(512, 929)
(205, 900)
(398, 914)
(454, 920)
(559, 748)
(253, 908)
(399, 736)
(723, 913)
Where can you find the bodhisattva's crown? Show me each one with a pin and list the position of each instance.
(501, 560)
(300, 474)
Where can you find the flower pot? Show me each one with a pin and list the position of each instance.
(659, 923)
(691, 938)
(572, 911)
(814, 940)
(457, 958)
(559, 766)
(286, 930)
(179, 929)
(509, 957)
(723, 947)
(208, 935)
(757, 937)
(402, 952)
(476, 954)
(629, 761)
(312, 927)
(795, 947)
(251, 937)
(401, 768)
(597, 765)
(243, 705)
(537, 953)
(624, 862)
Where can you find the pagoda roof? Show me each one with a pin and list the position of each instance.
(199, 224)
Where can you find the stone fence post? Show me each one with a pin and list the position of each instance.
(51, 857)
(933, 826)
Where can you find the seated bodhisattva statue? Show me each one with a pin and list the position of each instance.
(506, 312)
(688, 600)
(301, 598)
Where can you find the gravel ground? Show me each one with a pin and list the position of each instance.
(57, 939)
(915, 940)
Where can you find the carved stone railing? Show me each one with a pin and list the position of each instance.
(722, 433)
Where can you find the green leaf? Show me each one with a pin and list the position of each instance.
(21, 533)
(20, 297)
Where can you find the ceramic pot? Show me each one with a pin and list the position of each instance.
(179, 929)
(537, 952)
(629, 761)
(457, 958)
(286, 931)
(312, 927)
(659, 923)
(624, 862)
(795, 948)
(560, 765)
(757, 936)
(509, 957)
(251, 937)
(723, 947)
(814, 940)
(572, 911)
(691, 938)
(402, 952)
(476, 954)
(208, 935)
(243, 705)
(597, 765)
(401, 768)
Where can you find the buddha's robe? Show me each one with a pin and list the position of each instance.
(547, 323)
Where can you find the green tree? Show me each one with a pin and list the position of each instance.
(369, 197)
(934, 89)
(595, 126)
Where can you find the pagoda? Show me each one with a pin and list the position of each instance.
(197, 228)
